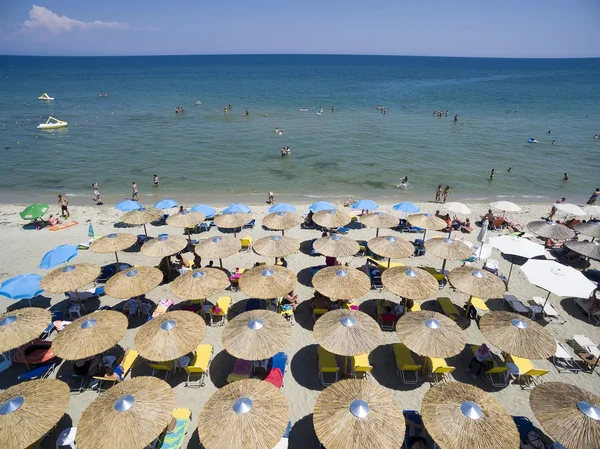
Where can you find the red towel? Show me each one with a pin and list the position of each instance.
(275, 377)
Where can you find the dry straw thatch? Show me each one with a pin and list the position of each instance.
(550, 230)
(282, 221)
(587, 249)
(569, 414)
(341, 282)
(129, 415)
(336, 246)
(391, 247)
(141, 217)
(113, 243)
(164, 245)
(379, 220)
(244, 414)
(459, 416)
(256, 335)
(356, 414)
(410, 282)
(133, 282)
(186, 219)
(590, 228)
(30, 409)
(170, 336)
(200, 283)
(427, 221)
(90, 335)
(331, 218)
(233, 221)
(448, 249)
(70, 278)
(267, 281)
(517, 335)
(20, 326)
(218, 247)
(430, 334)
(476, 282)
(276, 246)
(347, 332)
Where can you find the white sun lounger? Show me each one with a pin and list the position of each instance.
(584, 304)
(563, 360)
(516, 305)
(548, 309)
(587, 344)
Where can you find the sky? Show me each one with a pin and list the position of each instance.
(480, 28)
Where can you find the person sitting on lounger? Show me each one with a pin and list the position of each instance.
(480, 361)
(290, 300)
(466, 227)
(319, 301)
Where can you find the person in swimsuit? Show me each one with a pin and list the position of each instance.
(64, 206)
(134, 192)
(445, 193)
(438, 193)
(594, 197)
(155, 180)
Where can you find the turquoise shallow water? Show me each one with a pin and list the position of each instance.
(355, 151)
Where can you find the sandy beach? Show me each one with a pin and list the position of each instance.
(23, 249)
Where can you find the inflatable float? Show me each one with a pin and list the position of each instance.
(52, 123)
(303, 109)
(532, 140)
(36, 353)
(45, 97)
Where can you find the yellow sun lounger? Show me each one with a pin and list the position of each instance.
(246, 243)
(361, 366)
(497, 374)
(440, 277)
(327, 365)
(479, 304)
(319, 312)
(167, 367)
(383, 264)
(128, 362)
(199, 365)
(439, 370)
(405, 363)
(223, 304)
(524, 371)
(450, 310)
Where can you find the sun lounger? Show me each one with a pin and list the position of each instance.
(439, 371)
(584, 304)
(450, 310)
(285, 439)
(327, 365)
(166, 367)
(524, 371)
(199, 365)
(383, 264)
(174, 439)
(246, 244)
(440, 277)
(563, 360)
(548, 310)
(516, 305)
(40, 372)
(479, 304)
(277, 372)
(319, 312)
(220, 310)
(497, 374)
(361, 366)
(405, 363)
(162, 307)
(129, 359)
(530, 438)
(242, 369)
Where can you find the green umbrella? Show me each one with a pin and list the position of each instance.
(34, 211)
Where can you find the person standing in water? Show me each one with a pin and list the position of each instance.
(445, 193)
(566, 177)
(155, 180)
(134, 192)
(493, 172)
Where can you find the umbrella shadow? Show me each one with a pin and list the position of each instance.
(38, 301)
(306, 247)
(242, 306)
(303, 315)
(121, 225)
(431, 305)
(49, 440)
(305, 277)
(303, 434)
(568, 304)
(220, 368)
(88, 306)
(462, 373)
(305, 368)
(385, 371)
(369, 307)
(9, 377)
(194, 442)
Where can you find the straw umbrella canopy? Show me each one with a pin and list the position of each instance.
(218, 247)
(129, 415)
(458, 416)
(391, 247)
(170, 335)
(142, 217)
(336, 246)
(133, 282)
(256, 335)
(281, 221)
(200, 283)
(244, 414)
(517, 335)
(550, 230)
(569, 414)
(90, 335)
(410, 282)
(379, 220)
(341, 282)
(355, 414)
(430, 334)
(448, 249)
(267, 281)
(587, 249)
(30, 409)
(186, 219)
(164, 245)
(113, 243)
(331, 218)
(20, 326)
(70, 278)
(591, 229)
(428, 222)
(347, 332)
(233, 221)
(476, 282)
(276, 246)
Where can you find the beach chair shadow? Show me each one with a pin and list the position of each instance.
(303, 434)
(304, 367)
(305, 277)
(221, 367)
(385, 370)
(38, 301)
(303, 315)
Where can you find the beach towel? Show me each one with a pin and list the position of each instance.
(61, 226)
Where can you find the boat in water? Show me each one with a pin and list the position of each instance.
(52, 123)
(45, 97)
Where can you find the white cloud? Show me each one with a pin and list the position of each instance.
(43, 19)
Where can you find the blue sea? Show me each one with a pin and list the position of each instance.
(356, 151)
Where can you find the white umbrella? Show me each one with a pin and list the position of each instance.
(517, 246)
(558, 279)
(505, 206)
(458, 208)
(570, 209)
(592, 211)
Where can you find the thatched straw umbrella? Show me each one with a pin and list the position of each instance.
(341, 282)
(20, 326)
(70, 278)
(256, 335)
(244, 414)
(476, 282)
(30, 409)
(331, 218)
(379, 220)
(347, 332)
(200, 283)
(282, 221)
(356, 414)
(170, 336)
(587, 249)
(430, 334)
(267, 281)
(233, 221)
(458, 416)
(186, 219)
(133, 282)
(164, 245)
(590, 228)
(218, 248)
(336, 246)
(517, 335)
(550, 230)
(448, 249)
(113, 243)
(410, 282)
(276, 246)
(90, 335)
(129, 415)
(428, 222)
(142, 217)
(569, 414)
(391, 247)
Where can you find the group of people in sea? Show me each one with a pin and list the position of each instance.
(383, 109)
(179, 110)
(285, 151)
(439, 113)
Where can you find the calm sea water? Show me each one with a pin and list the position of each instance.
(356, 151)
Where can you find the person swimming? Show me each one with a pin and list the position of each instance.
(276, 130)
(283, 152)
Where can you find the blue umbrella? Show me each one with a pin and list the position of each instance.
(60, 254)
(282, 208)
(365, 205)
(235, 208)
(23, 286)
(206, 210)
(321, 205)
(166, 204)
(406, 207)
(128, 206)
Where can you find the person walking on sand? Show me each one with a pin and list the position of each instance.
(134, 192)
(445, 193)
(155, 180)
(438, 194)
(64, 206)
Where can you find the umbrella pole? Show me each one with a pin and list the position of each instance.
(282, 232)
(546, 302)
(168, 268)
(443, 266)
(509, 273)
(221, 262)
(424, 233)
(118, 265)
(468, 307)
(145, 230)
(389, 262)
(377, 233)
(24, 358)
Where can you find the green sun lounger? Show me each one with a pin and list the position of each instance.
(174, 440)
